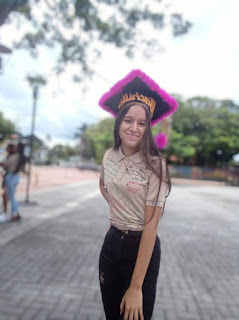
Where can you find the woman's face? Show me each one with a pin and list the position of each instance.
(132, 127)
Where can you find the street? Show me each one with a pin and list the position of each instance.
(49, 260)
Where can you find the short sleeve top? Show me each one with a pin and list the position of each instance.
(130, 186)
(11, 162)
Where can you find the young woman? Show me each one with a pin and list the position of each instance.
(135, 182)
(10, 150)
(13, 164)
(3, 216)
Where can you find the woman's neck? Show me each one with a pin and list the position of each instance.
(128, 152)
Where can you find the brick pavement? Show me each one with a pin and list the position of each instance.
(48, 262)
(44, 177)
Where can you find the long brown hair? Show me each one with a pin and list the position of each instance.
(147, 148)
(21, 158)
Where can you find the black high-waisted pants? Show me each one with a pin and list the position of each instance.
(116, 265)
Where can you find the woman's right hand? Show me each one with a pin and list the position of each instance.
(132, 304)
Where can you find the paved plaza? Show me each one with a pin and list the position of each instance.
(49, 260)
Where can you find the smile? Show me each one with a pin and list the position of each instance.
(132, 136)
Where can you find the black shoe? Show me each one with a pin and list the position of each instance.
(16, 218)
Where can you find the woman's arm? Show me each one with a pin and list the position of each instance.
(132, 300)
(102, 184)
(102, 189)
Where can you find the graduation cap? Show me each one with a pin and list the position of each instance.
(138, 87)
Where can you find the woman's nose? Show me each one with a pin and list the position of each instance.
(134, 126)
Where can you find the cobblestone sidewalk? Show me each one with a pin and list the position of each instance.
(49, 261)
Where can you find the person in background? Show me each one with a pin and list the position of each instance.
(14, 164)
(3, 216)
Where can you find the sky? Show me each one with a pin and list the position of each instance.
(204, 62)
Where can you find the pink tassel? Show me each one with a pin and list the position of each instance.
(161, 140)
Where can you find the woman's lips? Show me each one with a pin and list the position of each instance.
(132, 136)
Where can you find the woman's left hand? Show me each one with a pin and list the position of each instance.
(132, 304)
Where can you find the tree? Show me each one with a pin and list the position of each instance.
(6, 127)
(77, 29)
(6, 7)
(62, 152)
(205, 131)
(96, 139)
(80, 131)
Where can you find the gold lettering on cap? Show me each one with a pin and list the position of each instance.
(151, 103)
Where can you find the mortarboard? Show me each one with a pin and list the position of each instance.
(138, 87)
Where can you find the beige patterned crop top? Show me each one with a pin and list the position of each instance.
(130, 186)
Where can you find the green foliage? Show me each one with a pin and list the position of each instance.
(63, 152)
(81, 130)
(156, 129)
(7, 6)
(76, 28)
(6, 127)
(205, 131)
(182, 146)
(97, 138)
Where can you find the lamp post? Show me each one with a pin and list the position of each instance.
(35, 83)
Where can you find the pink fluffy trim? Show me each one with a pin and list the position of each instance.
(150, 83)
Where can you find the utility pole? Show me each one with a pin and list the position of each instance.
(35, 83)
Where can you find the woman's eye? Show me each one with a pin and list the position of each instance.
(143, 124)
(127, 121)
